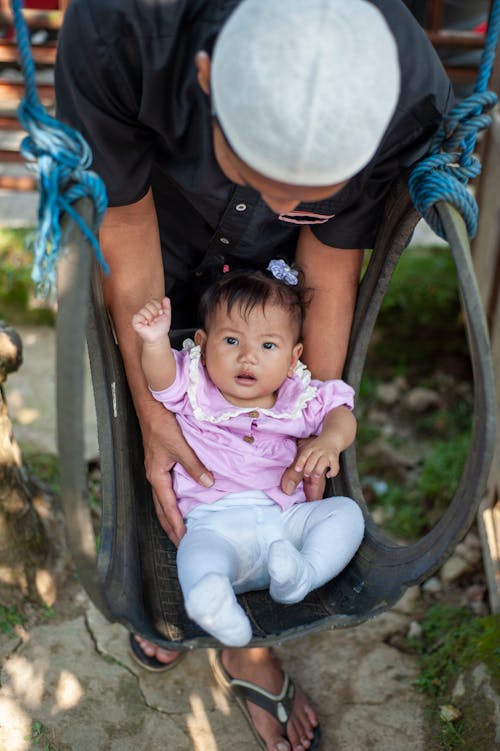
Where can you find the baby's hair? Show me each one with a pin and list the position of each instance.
(248, 289)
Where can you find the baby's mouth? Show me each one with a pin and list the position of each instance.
(245, 378)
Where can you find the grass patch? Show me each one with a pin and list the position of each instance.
(10, 617)
(453, 640)
(420, 321)
(411, 509)
(17, 291)
(420, 336)
(41, 737)
(45, 469)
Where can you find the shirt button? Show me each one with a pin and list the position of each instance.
(253, 413)
(224, 240)
(249, 438)
(241, 207)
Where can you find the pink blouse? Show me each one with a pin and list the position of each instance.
(244, 447)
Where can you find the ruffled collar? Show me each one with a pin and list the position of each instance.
(209, 405)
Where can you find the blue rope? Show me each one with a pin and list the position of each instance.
(61, 158)
(443, 175)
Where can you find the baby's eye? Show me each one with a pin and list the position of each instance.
(269, 345)
(231, 340)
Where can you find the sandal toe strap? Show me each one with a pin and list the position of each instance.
(277, 705)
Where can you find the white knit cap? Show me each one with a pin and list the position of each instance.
(305, 89)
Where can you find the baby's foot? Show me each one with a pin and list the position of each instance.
(213, 605)
(290, 573)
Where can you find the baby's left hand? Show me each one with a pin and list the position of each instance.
(316, 456)
(152, 322)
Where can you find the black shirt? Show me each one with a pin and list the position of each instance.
(126, 79)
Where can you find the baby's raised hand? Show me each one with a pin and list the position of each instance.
(152, 322)
(316, 456)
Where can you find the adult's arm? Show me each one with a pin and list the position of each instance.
(131, 246)
(332, 274)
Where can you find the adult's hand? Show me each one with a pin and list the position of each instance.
(130, 241)
(314, 486)
(164, 446)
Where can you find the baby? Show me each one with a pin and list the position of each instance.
(243, 399)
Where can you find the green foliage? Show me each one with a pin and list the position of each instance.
(403, 513)
(442, 470)
(12, 616)
(420, 320)
(452, 736)
(45, 468)
(48, 612)
(454, 639)
(424, 280)
(414, 505)
(419, 334)
(9, 618)
(447, 422)
(17, 305)
(40, 737)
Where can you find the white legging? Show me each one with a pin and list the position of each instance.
(245, 541)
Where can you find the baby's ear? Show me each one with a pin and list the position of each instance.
(200, 338)
(296, 353)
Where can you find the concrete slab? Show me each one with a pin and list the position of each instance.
(77, 679)
(82, 700)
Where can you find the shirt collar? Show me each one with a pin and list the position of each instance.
(209, 405)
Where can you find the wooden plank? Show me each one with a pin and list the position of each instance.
(21, 183)
(489, 511)
(470, 40)
(461, 73)
(42, 55)
(9, 122)
(485, 247)
(35, 19)
(7, 156)
(433, 15)
(486, 254)
(14, 90)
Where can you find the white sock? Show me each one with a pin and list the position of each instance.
(213, 605)
(290, 573)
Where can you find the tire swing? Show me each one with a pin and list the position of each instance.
(133, 579)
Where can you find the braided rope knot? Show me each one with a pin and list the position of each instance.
(443, 175)
(459, 127)
(60, 158)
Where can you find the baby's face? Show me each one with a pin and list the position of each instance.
(248, 358)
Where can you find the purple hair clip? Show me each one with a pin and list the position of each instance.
(282, 271)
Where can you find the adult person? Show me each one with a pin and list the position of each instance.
(284, 142)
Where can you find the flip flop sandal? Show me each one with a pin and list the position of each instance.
(147, 662)
(278, 705)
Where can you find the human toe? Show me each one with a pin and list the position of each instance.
(147, 647)
(282, 745)
(301, 727)
(166, 656)
(152, 650)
